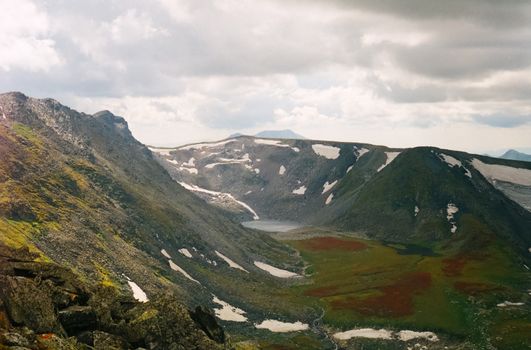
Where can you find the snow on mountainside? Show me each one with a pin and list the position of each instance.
(268, 178)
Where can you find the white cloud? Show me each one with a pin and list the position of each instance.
(24, 40)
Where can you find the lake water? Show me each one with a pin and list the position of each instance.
(272, 225)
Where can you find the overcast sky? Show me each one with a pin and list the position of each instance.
(453, 73)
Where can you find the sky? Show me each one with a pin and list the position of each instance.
(453, 74)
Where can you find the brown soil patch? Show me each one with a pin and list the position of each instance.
(475, 288)
(396, 299)
(332, 243)
(454, 266)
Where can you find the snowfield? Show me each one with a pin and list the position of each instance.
(451, 161)
(230, 262)
(228, 312)
(185, 252)
(206, 145)
(451, 209)
(364, 333)
(195, 188)
(275, 271)
(165, 253)
(328, 186)
(329, 199)
(282, 327)
(177, 268)
(300, 191)
(360, 152)
(390, 157)
(161, 151)
(277, 143)
(508, 303)
(329, 152)
(409, 335)
(138, 293)
(503, 173)
(371, 333)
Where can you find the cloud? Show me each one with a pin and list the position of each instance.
(183, 70)
(24, 38)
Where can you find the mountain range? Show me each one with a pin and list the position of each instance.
(515, 155)
(106, 243)
(274, 134)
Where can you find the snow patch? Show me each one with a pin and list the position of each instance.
(329, 152)
(228, 312)
(451, 161)
(364, 333)
(138, 293)
(282, 170)
(185, 252)
(417, 210)
(161, 151)
(503, 173)
(206, 145)
(350, 168)
(282, 327)
(360, 152)
(406, 335)
(230, 262)
(195, 188)
(301, 190)
(257, 171)
(390, 157)
(451, 209)
(274, 270)
(177, 268)
(165, 253)
(328, 186)
(508, 303)
(329, 199)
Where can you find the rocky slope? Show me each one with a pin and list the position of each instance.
(79, 191)
(402, 195)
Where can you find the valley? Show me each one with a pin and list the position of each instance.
(285, 243)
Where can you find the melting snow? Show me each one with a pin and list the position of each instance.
(329, 199)
(451, 209)
(451, 161)
(360, 151)
(282, 327)
(185, 252)
(296, 149)
(409, 335)
(195, 188)
(257, 171)
(230, 262)
(350, 168)
(329, 152)
(177, 268)
(417, 210)
(390, 157)
(328, 186)
(364, 333)
(274, 270)
(282, 170)
(161, 151)
(228, 312)
(208, 145)
(300, 190)
(503, 173)
(138, 293)
(165, 253)
(508, 303)
(276, 143)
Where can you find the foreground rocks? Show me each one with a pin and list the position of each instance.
(45, 306)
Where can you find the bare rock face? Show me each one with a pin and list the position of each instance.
(45, 306)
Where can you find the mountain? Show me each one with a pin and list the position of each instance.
(274, 134)
(280, 134)
(388, 230)
(79, 193)
(515, 155)
(105, 243)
